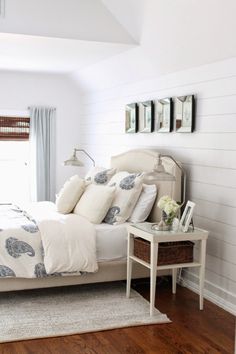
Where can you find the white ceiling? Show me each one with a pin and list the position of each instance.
(59, 35)
(108, 42)
(72, 19)
(33, 53)
(176, 35)
(129, 13)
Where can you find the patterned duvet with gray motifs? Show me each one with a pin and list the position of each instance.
(21, 251)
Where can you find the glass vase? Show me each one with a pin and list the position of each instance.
(164, 224)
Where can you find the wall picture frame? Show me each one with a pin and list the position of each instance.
(131, 118)
(187, 216)
(164, 115)
(184, 114)
(146, 117)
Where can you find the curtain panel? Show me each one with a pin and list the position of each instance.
(42, 153)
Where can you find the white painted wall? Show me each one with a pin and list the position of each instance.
(208, 155)
(20, 90)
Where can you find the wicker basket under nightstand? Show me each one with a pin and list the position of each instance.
(168, 252)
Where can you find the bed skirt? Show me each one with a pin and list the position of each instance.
(108, 271)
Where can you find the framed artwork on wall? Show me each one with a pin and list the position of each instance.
(184, 114)
(146, 116)
(164, 115)
(131, 118)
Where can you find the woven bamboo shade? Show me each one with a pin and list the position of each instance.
(14, 128)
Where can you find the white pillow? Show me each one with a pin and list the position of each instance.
(70, 194)
(95, 202)
(144, 204)
(100, 175)
(128, 189)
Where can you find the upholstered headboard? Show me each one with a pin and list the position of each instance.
(140, 160)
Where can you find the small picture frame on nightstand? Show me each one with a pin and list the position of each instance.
(187, 216)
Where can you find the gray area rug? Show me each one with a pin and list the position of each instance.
(72, 310)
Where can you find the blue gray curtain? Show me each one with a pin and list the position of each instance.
(42, 153)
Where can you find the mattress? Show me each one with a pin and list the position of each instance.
(111, 242)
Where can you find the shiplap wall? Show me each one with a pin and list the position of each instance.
(208, 155)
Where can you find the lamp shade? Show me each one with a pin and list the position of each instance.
(155, 176)
(159, 173)
(73, 161)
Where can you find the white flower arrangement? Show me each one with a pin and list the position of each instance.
(168, 205)
(169, 208)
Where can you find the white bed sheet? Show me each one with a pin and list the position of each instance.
(111, 242)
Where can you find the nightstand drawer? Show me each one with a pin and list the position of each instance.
(168, 252)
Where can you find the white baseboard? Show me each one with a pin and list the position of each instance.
(211, 291)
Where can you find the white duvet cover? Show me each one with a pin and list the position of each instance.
(111, 242)
(39, 242)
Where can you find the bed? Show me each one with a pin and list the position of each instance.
(110, 240)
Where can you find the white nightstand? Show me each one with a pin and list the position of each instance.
(144, 231)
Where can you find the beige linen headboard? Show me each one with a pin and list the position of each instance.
(140, 160)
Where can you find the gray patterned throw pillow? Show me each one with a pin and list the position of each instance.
(128, 190)
(100, 175)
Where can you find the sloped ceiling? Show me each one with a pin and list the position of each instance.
(34, 53)
(129, 13)
(87, 20)
(103, 43)
(175, 35)
(59, 35)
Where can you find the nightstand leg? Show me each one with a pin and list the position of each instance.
(130, 249)
(202, 273)
(174, 278)
(154, 257)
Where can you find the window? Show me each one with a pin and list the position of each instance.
(14, 159)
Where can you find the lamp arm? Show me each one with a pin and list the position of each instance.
(183, 173)
(85, 152)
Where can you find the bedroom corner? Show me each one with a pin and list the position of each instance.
(117, 177)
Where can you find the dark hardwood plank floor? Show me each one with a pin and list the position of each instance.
(192, 331)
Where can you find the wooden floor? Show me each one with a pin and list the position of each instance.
(192, 331)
